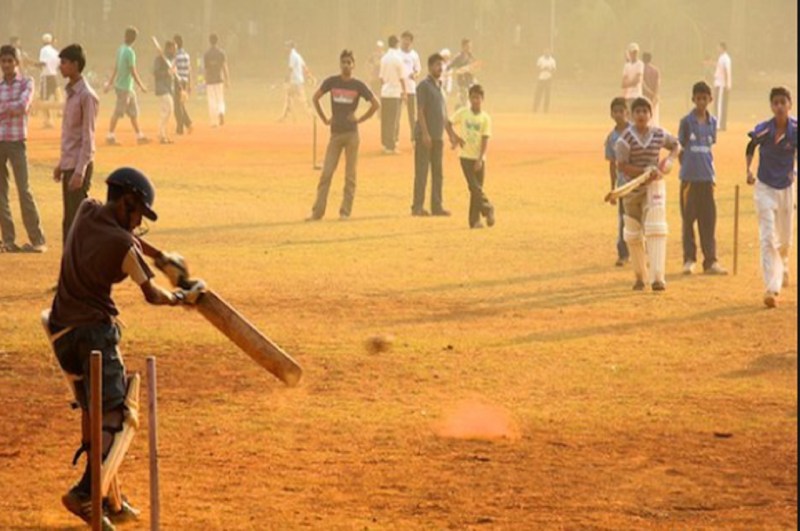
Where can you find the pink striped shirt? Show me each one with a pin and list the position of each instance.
(77, 128)
(15, 101)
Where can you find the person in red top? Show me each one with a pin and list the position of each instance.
(16, 95)
(102, 250)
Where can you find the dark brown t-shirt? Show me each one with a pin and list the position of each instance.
(92, 263)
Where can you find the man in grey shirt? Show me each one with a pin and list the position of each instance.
(429, 139)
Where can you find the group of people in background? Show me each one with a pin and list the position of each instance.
(633, 146)
(79, 109)
(399, 70)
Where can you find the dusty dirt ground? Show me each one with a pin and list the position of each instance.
(628, 410)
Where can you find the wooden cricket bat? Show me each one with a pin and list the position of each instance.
(248, 338)
(630, 186)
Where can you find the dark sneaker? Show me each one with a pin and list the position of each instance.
(490, 217)
(621, 262)
(30, 248)
(639, 285)
(420, 213)
(442, 213)
(128, 513)
(658, 286)
(770, 299)
(10, 248)
(80, 505)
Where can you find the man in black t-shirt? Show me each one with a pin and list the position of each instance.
(215, 66)
(346, 92)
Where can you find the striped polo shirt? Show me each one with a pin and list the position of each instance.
(182, 65)
(643, 151)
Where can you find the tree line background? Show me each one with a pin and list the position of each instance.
(589, 36)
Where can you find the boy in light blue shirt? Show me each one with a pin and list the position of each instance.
(619, 113)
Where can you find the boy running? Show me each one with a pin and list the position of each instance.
(774, 190)
(345, 94)
(619, 113)
(645, 208)
(475, 128)
(697, 134)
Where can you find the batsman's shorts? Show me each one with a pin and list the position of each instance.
(73, 352)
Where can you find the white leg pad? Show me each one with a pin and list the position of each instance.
(655, 229)
(657, 255)
(655, 211)
(634, 237)
(123, 438)
(73, 380)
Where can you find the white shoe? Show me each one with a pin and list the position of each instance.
(716, 269)
(688, 267)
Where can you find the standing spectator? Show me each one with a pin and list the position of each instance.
(776, 140)
(164, 73)
(547, 66)
(374, 65)
(25, 60)
(346, 91)
(16, 95)
(697, 135)
(295, 82)
(215, 65)
(122, 79)
(393, 92)
(411, 70)
(432, 122)
(462, 66)
(447, 74)
(651, 86)
(723, 82)
(48, 62)
(619, 113)
(632, 75)
(183, 87)
(475, 127)
(75, 167)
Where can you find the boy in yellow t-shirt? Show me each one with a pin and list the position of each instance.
(474, 130)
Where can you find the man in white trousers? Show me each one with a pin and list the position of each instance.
(215, 63)
(774, 195)
(723, 81)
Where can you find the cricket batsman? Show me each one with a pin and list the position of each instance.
(645, 216)
(101, 250)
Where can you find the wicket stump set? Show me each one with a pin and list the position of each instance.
(96, 438)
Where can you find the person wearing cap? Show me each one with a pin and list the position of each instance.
(632, 75)
(102, 250)
(75, 166)
(447, 75)
(296, 81)
(48, 62)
